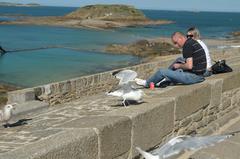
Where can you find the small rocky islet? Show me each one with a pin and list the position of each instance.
(94, 17)
(144, 48)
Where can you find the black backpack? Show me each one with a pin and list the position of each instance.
(220, 67)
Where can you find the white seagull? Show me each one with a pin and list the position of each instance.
(125, 76)
(6, 113)
(126, 89)
(183, 143)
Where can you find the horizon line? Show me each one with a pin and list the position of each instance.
(157, 9)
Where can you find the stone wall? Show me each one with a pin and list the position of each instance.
(115, 134)
(64, 91)
(166, 112)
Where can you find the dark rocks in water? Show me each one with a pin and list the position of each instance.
(236, 34)
(144, 48)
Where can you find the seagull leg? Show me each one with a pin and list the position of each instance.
(127, 102)
(6, 125)
(123, 102)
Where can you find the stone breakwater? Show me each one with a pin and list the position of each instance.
(94, 126)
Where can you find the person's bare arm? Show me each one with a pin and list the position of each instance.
(185, 66)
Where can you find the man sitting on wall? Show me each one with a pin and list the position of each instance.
(189, 72)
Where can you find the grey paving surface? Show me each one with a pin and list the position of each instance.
(45, 122)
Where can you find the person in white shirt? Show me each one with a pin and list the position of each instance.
(194, 33)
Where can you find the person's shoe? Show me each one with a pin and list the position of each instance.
(164, 83)
(140, 82)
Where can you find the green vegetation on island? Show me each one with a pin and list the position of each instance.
(95, 17)
(108, 12)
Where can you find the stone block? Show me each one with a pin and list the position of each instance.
(151, 121)
(226, 101)
(114, 133)
(29, 106)
(67, 144)
(197, 116)
(21, 96)
(216, 92)
(236, 99)
(189, 99)
(225, 118)
(231, 81)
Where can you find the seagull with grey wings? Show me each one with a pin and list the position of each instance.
(183, 143)
(6, 113)
(125, 88)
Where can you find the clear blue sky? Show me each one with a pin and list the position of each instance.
(191, 5)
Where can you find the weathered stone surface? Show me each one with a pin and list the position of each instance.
(71, 144)
(189, 99)
(114, 133)
(30, 106)
(216, 92)
(198, 116)
(65, 91)
(235, 98)
(231, 81)
(227, 117)
(21, 96)
(151, 121)
(226, 100)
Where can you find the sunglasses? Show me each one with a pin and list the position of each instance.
(189, 36)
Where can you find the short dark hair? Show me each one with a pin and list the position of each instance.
(177, 33)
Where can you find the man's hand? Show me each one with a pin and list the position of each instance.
(185, 66)
(177, 66)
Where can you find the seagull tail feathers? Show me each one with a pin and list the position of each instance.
(145, 154)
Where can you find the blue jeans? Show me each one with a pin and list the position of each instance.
(175, 76)
(207, 73)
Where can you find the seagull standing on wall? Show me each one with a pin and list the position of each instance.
(6, 113)
(125, 88)
(183, 143)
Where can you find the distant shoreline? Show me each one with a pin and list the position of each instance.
(9, 4)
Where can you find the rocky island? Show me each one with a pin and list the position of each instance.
(96, 17)
(145, 48)
(236, 35)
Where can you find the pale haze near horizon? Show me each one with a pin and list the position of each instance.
(188, 5)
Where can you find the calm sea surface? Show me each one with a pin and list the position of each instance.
(36, 67)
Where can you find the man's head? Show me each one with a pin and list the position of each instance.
(178, 39)
(193, 32)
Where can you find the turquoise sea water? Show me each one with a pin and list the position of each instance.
(31, 68)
